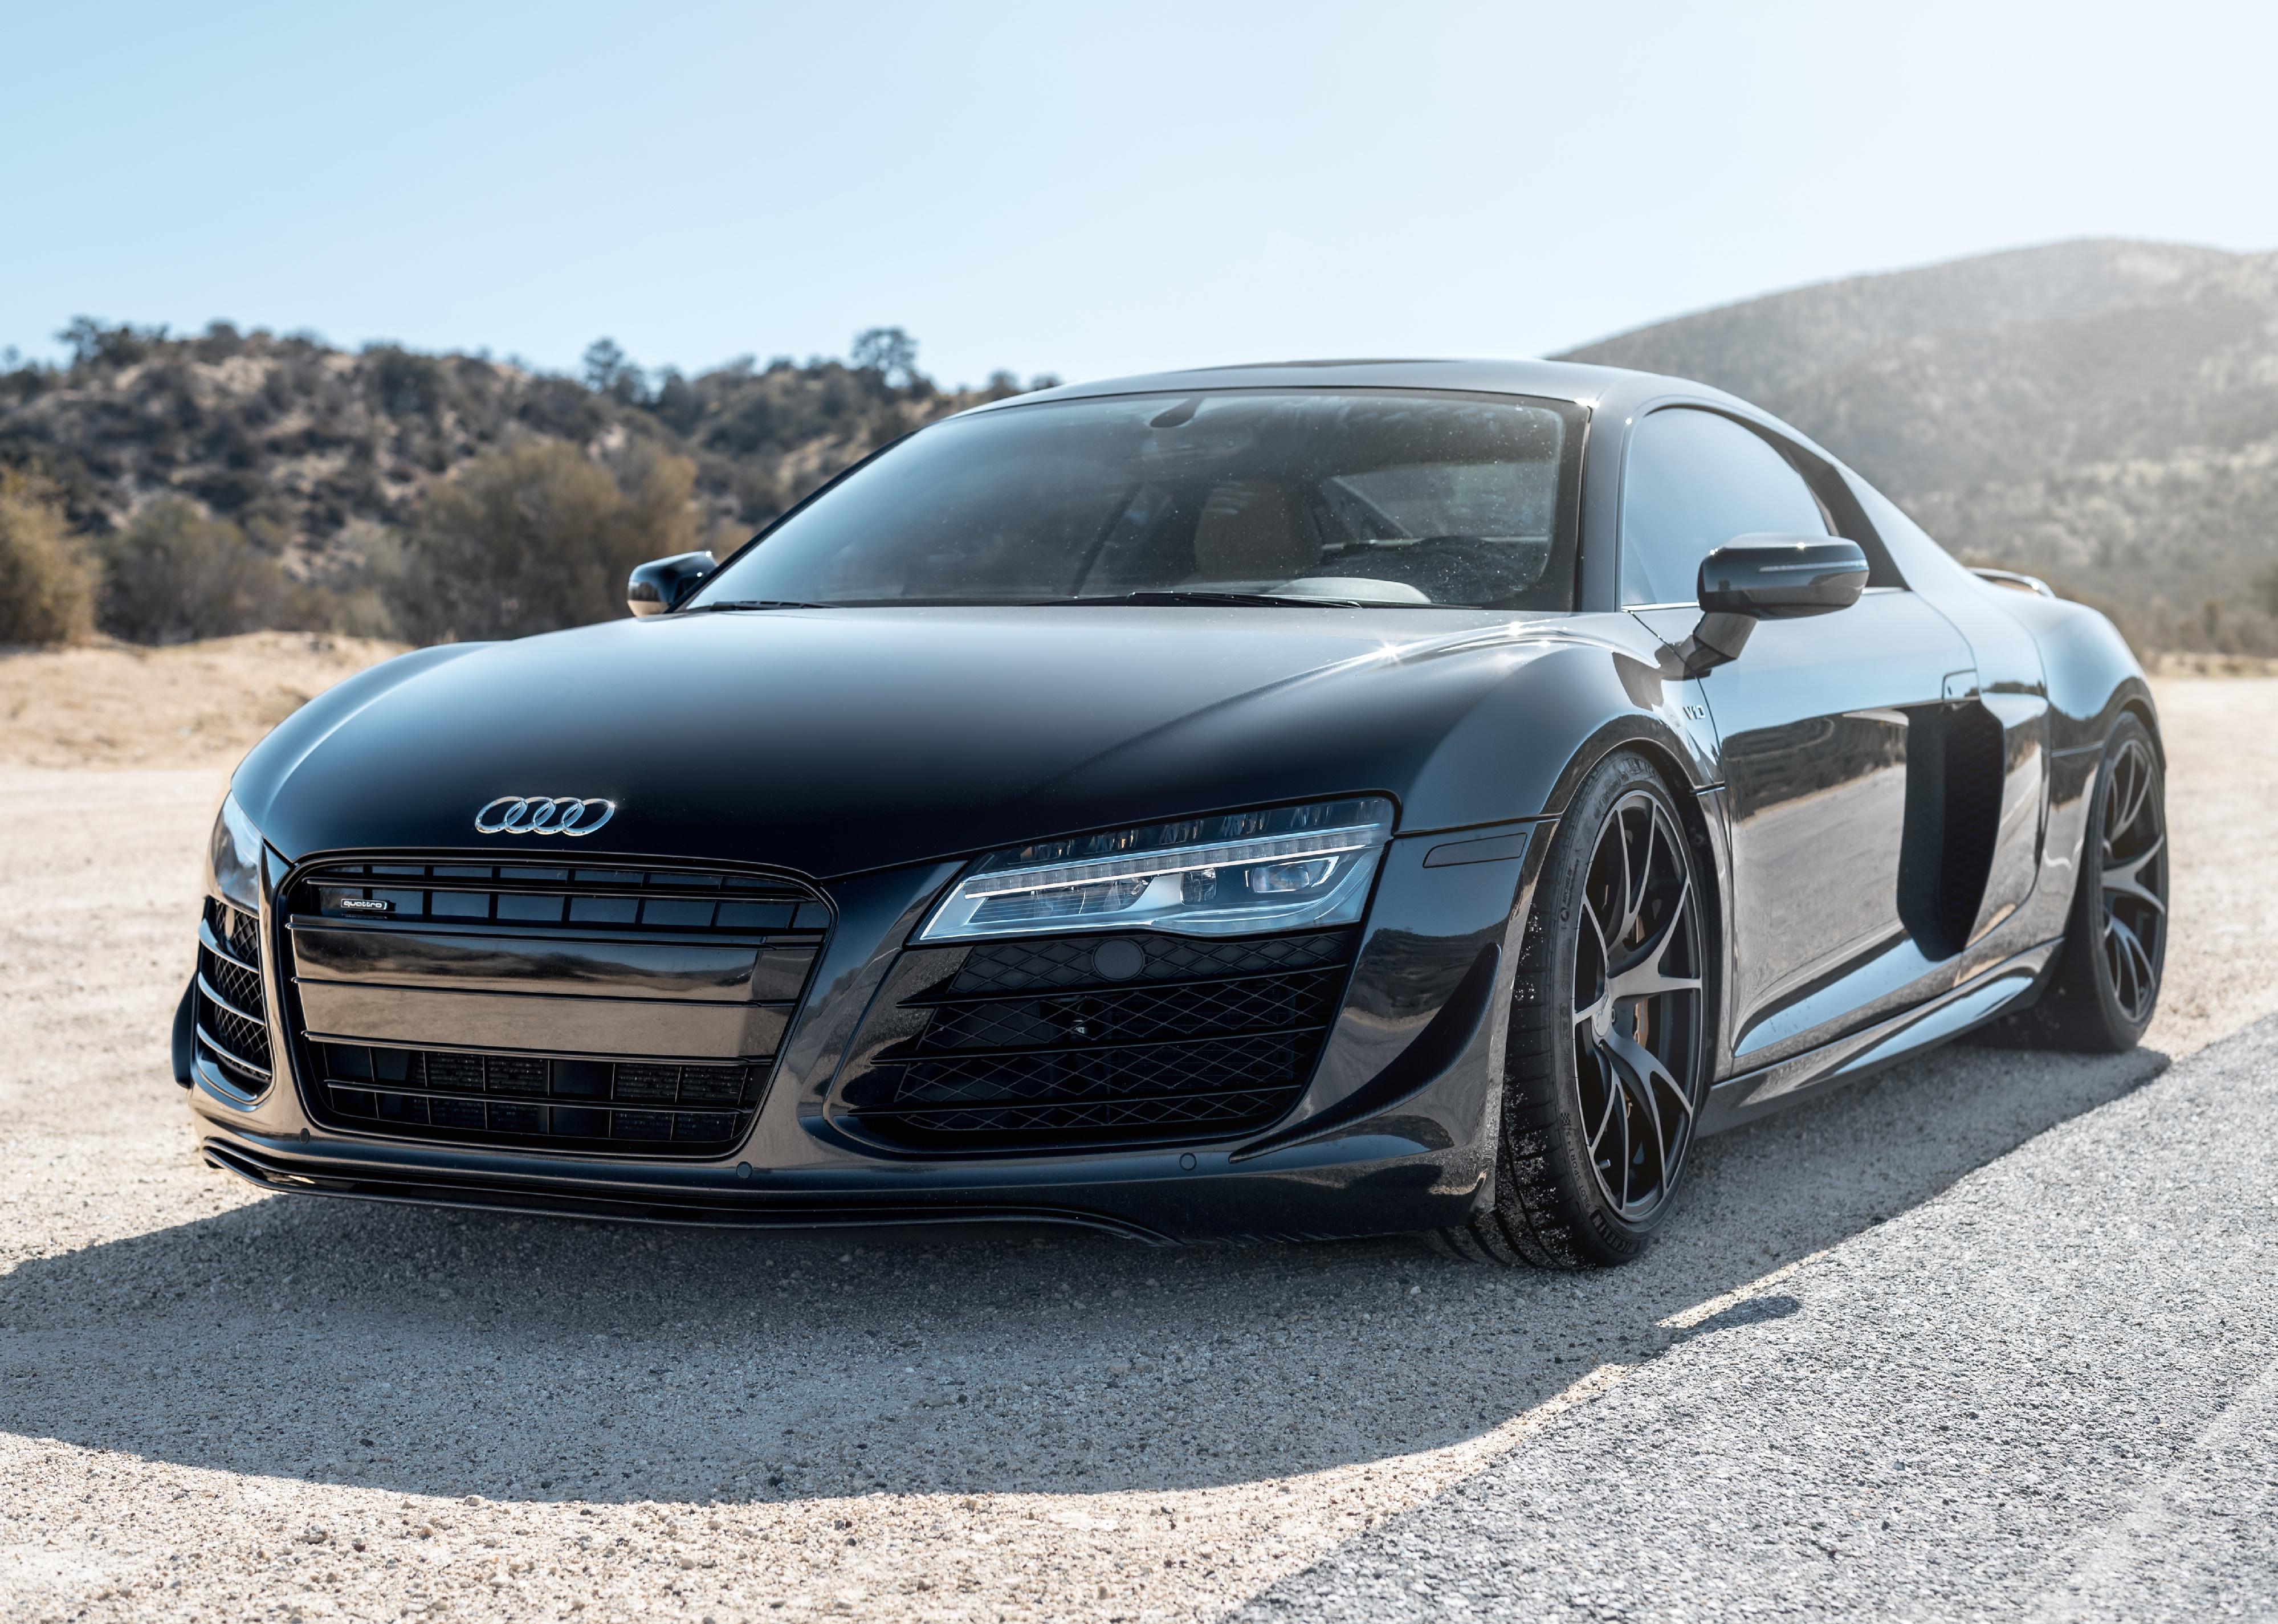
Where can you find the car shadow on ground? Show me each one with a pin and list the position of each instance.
(516, 1358)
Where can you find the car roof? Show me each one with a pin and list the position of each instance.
(1557, 380)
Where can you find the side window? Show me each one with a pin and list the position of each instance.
(1694, 480)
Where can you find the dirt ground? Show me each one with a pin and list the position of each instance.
(119, 705)
(216, 1404)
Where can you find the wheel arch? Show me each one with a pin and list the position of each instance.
(2139, 706)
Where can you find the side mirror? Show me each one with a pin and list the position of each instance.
(1755, 578)
(664, 584)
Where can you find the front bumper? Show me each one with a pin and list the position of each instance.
(1395, 1131)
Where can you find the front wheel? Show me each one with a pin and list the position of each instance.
(1607, 1051)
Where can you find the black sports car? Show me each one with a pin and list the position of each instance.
(1307, 799)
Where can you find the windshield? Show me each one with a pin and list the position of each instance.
(1382, 496)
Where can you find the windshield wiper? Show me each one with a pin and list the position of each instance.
(1271, 600)
(760, 603)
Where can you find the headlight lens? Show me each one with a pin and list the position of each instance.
(1282, 869)
(235, 856)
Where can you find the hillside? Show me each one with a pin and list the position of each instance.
(297, 442)
(2102, 413)
(2105, 413)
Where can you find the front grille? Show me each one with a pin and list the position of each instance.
(1029, 1045)
(630, 1011)
(230, 1009)
(564, 1104)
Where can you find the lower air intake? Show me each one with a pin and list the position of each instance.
(231, 1012)
(1081, 1043)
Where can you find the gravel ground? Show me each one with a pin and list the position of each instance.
(215, 1404)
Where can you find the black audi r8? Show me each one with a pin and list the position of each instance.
(1307, 799)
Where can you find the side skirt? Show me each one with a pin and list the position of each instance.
(1742, 1099)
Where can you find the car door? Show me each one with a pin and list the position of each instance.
(1813, 723)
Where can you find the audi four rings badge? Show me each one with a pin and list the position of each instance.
(543, 814)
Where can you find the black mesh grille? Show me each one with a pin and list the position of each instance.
(231, 1012)
(1032, 1044)
(1143, 1015)
(1011, 966)
(550, 1101)
(237, 986)
(556, 1104)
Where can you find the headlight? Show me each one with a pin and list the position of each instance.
(1224, 876)
(234, 854)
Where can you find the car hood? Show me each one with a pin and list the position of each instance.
(830, 742)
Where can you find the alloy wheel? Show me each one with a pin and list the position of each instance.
(1638, 1025)
(2135, 864)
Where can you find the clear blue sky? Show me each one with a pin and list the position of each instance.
(1084, 188)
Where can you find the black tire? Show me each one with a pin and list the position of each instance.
(1601, 1084)
(2104, 987)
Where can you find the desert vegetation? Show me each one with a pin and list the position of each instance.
(47, 582)
(162, 489)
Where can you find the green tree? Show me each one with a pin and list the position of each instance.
(47, 586)
(175, 574)
(889, 352)
(610, 371)
(538, 537)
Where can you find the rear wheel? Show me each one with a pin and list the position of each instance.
(1607, 1051)
(2105, 987)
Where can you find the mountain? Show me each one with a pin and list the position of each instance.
(2105, 413)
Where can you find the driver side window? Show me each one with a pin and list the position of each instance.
(1693, 481)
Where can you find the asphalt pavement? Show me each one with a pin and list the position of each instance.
(2047, 1393)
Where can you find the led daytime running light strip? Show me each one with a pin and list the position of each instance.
(1014, 883)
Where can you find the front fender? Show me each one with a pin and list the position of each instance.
(1523, 748)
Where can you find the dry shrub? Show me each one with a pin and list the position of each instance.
(175, 574)
(537, 539)
(47, 585)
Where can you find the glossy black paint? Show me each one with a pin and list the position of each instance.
(871, 753)
(1782, 577)
(665, 584)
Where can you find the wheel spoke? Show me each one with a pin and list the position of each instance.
(1606, 1116)
(1621, 1114)
(2137, 963)
(1643, 977)
(1589, 1011)
(1635, 1085)
(2138, 785)
(1645, 873)
(1649, 1071)
(2126, 879)
(1632, 885)
(1598, 931)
